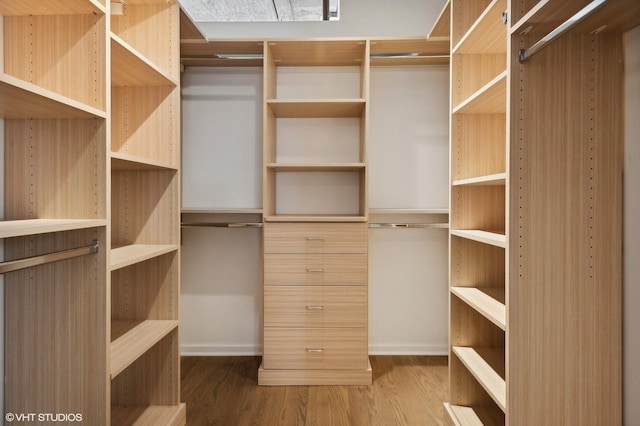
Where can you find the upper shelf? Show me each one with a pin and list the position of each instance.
(488, 34)
(409, 51)
(130, 68)
(50, 7)
(20, 99)
(317, 52)
(316, 108)
(20, 228)
(616, 16)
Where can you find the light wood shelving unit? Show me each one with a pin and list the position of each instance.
(53, 101)
(280, 54)
(145, 212)
(92, 153)
(535, 240)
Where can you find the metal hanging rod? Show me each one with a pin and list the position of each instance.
(222, 224)
(15, 265)
(525, 54)
(408, 225)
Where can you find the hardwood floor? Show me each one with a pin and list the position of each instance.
(406, 390)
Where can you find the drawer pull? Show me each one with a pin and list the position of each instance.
(315, 308)
(315, 270)
(315, 238)
(315, 351)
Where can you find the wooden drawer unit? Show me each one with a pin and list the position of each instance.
(315, 269)
(312, 306)
(315, 348)
(315, 304)
(315, 237)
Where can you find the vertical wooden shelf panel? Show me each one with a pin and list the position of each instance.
(145, 213)
(566, 221)
(53, 102)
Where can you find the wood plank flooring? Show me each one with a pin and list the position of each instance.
(406, 390)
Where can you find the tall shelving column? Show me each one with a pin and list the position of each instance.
(478, 237)
(315, 213)
(565, 214)
(53, 100)
(145, 214)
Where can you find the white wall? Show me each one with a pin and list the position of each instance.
(358, 18)
(631, 271)
(408, 168)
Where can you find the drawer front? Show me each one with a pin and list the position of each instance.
(318, 348)
(315, 237)
(314, 269)
(313, 306)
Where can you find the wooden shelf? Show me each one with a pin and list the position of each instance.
(131, 339)
(129, 255)
(489, 302)
(314, 218)
(317, 52)
(488, 34)
(130, 68)
(409, 51)
(316, 167)
(20, 99)
(221, 211)
(21, 228)
(490, 99)
(442, 27)
(408, 211)
(168, 415)
(316, 108)
(121, 161)
(498, 179)
(473, 416)
(618, 16)
(50, 7)
(460, 415)
(491, 238)
(485, 371)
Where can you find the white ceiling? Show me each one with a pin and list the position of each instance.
(255, 10)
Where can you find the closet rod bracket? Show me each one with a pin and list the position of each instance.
(525, 54)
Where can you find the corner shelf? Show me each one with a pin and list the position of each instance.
(149, 414)
(491, 238)
(497, 179)
(485, 371)
(485, 36)
(489, 302)
(130, 68)
(129, 255)
(20, 99)
(131, 339)
(120, 161)
(490, 99)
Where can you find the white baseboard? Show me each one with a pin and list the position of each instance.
(220, 350)
(408, 349)
(250, 350)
